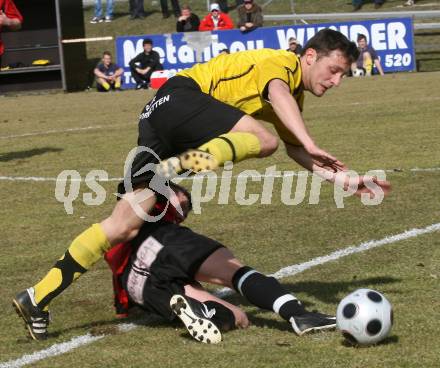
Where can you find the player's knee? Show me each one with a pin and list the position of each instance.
(269, 145)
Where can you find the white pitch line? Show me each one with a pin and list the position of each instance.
(262, 176)
(57, 131)
(298, 268)
(62, 348)
(54, 350)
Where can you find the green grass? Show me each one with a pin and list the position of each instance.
(387, 123)
(154, 24)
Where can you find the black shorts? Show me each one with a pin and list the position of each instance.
(178, 118)
(167, 257)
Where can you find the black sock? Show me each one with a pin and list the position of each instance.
(266, 293)
(69, 270)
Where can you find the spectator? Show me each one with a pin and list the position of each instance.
(367, 56)
(9, 17)
(108, 74)
(136, 9)
(250, 16)
(164, 7)
(98, 12)
(357, 4)
(216, 20)
(144, 64)
(188, 21)
(409, 3)
(294, 46)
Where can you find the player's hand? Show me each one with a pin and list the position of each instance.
(371, 185)
(325, 160)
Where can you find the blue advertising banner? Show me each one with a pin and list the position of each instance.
(391, 38)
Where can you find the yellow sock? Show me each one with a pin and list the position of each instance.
(234, 147)
(106, 86)
(83, 253)
(117, 84)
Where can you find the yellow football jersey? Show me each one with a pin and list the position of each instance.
(241, 79)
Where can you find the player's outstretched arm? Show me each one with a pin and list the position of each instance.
(363, 184)
(287, 110)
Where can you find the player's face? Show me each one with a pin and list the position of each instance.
(325, 72)
(186, 12)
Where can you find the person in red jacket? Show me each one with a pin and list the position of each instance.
(216, 20)
(9, 17)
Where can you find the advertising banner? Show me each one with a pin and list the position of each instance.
(391, 38)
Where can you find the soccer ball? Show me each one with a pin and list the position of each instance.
(364, 317)
(358, 73)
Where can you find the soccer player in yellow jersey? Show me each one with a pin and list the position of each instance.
(213, 109)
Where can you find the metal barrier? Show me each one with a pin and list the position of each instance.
(362, 15)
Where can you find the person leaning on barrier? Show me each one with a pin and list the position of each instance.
(188, 21)
(250, 16)
(294, 46)
(216, 20)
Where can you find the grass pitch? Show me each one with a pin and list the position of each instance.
(373, 123)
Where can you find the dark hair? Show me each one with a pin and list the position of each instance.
(328, 40)
(106, 53)
(147, 41)
(361, 37)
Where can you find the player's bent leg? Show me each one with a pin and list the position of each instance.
(267, 141)
(128, 215)
(267, 293)
(219, 268)
(85, 250)
(248, 138)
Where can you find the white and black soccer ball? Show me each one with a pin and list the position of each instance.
(358, 73)
(364, 317)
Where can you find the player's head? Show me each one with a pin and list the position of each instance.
(325, 59)
(362, 40)
(106, 58)
(147, 44)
